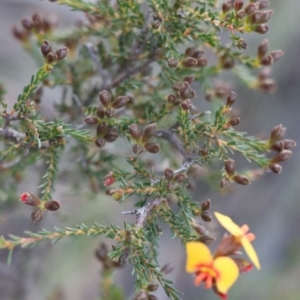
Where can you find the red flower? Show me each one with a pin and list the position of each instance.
(109, 179)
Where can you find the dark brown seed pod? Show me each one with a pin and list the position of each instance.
(137, 149)
(134, 131)
(226, 6)
(120, 102)
(171, 98)
(281, 156)
(278, 146)
(152, 287)
(148, 132)
(52, 205)
(90, 120)
(198, 54)
(263, 48)
(179, 178)
(173, 62)
(231, 98)
(206, 216)
(189, 62)
(189, 52)
(111, 136)
(37, 216)
(169, 174)
(277, 133)
(100, 112)
(110, 112)
(152, 147)
(230, 167)
(61, 53)
(100, 143)
(104, 98)
(51, 58)
(262, 29)
(234, 122)
(205, 205)
(201, 63)
(241, 179)
(275, 168)
(102, 129)
(238, 4)
(30, 199)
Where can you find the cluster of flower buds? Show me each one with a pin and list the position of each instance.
(36, 25)
(141, 138)
(102, 255)
(194, 58)
(184, 93)
(264, 82)
(173, 178)
(219, 90)
(105, 132)
(51, 57)
(282, 146)
(33, 200)
(203, 232)
(231, 175)
(266, 58)
(109, 179)
(251, 17)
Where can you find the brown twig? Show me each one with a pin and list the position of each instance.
(12, 134)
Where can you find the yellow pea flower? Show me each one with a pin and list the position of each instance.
(241, 236)
(219, 273)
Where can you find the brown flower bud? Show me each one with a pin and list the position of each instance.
(152, 287)
(267, 85)
(276, 55)
(102, 129)
(250, 9)
(111, 136)
(20, 35)
(204, 151)
(234, 122)
(37, 20)
(156, 24)
(189, 62)
(278, 146)
(169, 174)
(37, 216)
(231, 98)
(100, 143)
(281, 156)
(241, 179)
(201, 63)
(206, 216)
(137, 149)
(177, 86)
(262, 29)
(275, 168)
(266, 16)
(238, 4)
(102, 252)
(186, 104)
(205, 205)
(200, 229)
(134, 131)
(185, 91)
(152, 297)
(224, 183)
(267, 60)
(27, 24)
(141, 295)
(226, 6)
(206, 239)
(240, 15)
(264, 74)
(227, 62)
(51, 57)
(52, 205)
(120, 102)
(100, 112)
(171, 98)
(242, 44)
(289, 144)
(167, 269)
(256, 17)
(277, 133)
(110, 112)
(263, 48)
(230, 167)
(263, 4)
(61, 53)
(90, 120)
(104, 98)
(148, 132)
(198, 54)
(173, 62)
(30, 199)
(190, 51)
(179, 178)
(189, 78)
(152, 147)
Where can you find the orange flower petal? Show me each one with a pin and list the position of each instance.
(250, 251)
(197, 253)
(228, 273)
(229, 225)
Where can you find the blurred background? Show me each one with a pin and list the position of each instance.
(270, 206)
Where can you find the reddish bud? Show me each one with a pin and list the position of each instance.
(167, 269)
(171, 98)
(267, 85)
(27, 24)
(189, 78)
(262, 29)
(169, 174)
(267, 60)
(202, 63)
(275, 168)
(51, 57)
(179, 178)
(281, 156)
(173, 62)
(110, 112)
(52, 205)
(206, 216)
(100, 112)
(276, 55)
(198, 54)
(263, 4)
(90, 120)
(134, 131)
(186, 104)
(189, 62)
(177, 86)
(104, 98)
(231, 98)
(102, 129)
(120, 102)
(152, 147)
(277, 133)
(37, 216)
(226, 6)
(137, 149)
(100, 143)
(234, 122)
(278, 146)
(148, 132)
(230, 167)
(263, 48)
(241, 179)
(256, 17)
(250, 9)
(111, 136)
(109, 179)
(289, 144)
(61, 53)
(205, 205)
(190, 51)
(152, 287)
(186, 92)
(238, 4)
(266, 16)
(30, 199)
